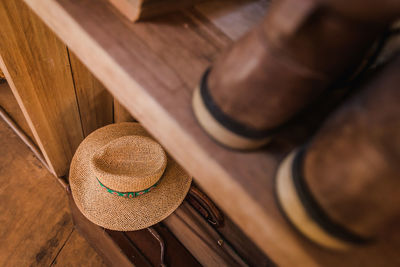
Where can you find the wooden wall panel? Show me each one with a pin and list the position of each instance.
(35, 63)
(10, 105)
(121, 114)
(94, 101)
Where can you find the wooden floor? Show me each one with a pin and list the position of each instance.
(36, 228)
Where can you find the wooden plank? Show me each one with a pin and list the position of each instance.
(152, 68)
(121, 114)
(201, 239)
(10, 105)
(36, 227)
(99, 238)
(94, 101)
(141, 9)
(36, 65)
(35, 222)
(175, 253)
(77, 252)
(233, 17)
(128, 248)
(199, 215)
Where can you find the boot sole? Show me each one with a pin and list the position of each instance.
(218, 132)
(292, 207)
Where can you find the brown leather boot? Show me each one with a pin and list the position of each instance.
(343, 189)
(279, 68)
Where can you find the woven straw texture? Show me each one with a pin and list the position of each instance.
(115, 212)
(129, 163)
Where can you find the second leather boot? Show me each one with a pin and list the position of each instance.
(279, 68)
(343, 189)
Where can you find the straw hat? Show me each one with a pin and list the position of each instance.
(121, 179)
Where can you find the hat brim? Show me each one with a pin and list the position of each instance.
(115, 212)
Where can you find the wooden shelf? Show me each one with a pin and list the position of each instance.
(152, 68)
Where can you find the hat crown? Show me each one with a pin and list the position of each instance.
(129, 163)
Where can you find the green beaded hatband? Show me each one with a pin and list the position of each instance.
(127, 194)
(121, 179)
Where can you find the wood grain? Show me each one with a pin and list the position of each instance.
(94, 101)
(35, 63)
(76, 252)
(152, 68)
(128, 248)
(99, 238)
(201, 239)
(36, 227)
(175, 253)
(234, 18)
(35, 222)
(121, 114)
(141, 9)
(10, 105)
